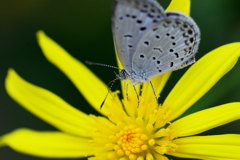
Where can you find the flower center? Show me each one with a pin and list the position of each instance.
(138, 136)
(130, 140)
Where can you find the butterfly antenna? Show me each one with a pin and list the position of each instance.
(100, 64)
(109, 88)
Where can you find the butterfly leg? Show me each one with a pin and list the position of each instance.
(136, 93)
(109, 89)
(134, 83)
(126, 90)
(153, 91)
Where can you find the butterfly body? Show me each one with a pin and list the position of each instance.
(135, 77)
(150, 41)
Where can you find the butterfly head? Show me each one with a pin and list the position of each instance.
(123, 75)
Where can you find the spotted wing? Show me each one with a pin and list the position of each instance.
(131, 19)
(168, 45)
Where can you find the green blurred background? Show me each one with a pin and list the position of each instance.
(83, 28)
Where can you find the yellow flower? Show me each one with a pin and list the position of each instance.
(127, 131)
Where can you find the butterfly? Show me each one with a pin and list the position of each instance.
(150, 41)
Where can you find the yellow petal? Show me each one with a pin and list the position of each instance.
(47, 144)
(200, 78)
(206, 119)
(91, 87)
(217, 147)
(180, 5)
(48, 106)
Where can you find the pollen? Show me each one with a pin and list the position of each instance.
(130, 141)
(135, 136)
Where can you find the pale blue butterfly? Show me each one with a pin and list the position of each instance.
(150, 41)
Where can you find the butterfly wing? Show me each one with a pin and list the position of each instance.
(168, 45)
(130, 21)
